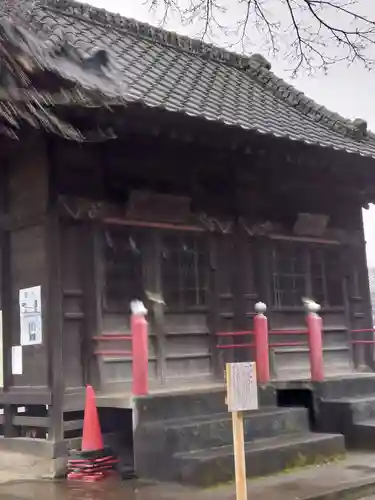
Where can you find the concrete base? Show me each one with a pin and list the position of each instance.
(187, 438)
(350, 411)
(16, 466)
(348, 479)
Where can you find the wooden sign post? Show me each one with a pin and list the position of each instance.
(242, 395)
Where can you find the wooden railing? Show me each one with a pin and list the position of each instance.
(139, 348)
(260, 341)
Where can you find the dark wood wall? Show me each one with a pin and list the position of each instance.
(210, 269)
(238, 191)
(27, 205)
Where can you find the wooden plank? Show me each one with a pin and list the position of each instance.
(73, 425)
(13, 222)
(93, 301)
(86, 260)
(158, 307)
(242, 395)
(239, 455)
(367, 309)
(25, 397)
(72, 316)
(188, 355)
(303, 239)
(263, 270)
(27, 421)
(73, 293)
(348, 322)
(6, 305)
(213, 316)
(238, 287)
(242, 389)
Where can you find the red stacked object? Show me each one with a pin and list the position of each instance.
(94, 461)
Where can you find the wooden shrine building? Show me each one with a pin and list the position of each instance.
(140, 164)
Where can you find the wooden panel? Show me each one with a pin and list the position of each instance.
(116, 372)
(72, 355)
(124, 267)
(28, 268)
(180, 324)
(28, 183)
(240, 274)
(6, 306)
(54, 322)
(359, 304)
(121, 323)
(189, 369)
(237, 294)
(72, 276)
(188, 349)
(193, 345)
(293, 361)
(117, 369)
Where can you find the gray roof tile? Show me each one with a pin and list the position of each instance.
(176, 73)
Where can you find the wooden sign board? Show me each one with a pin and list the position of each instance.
(149, 206)
(242, 388)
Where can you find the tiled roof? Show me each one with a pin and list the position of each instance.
(162, 69)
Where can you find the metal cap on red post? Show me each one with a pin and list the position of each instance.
(139, 329)
(261, 343)
(314, 326)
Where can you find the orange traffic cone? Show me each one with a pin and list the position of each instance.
(92, 436)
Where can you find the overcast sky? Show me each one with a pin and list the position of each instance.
(349, 91)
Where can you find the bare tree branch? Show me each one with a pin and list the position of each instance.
(311, 34)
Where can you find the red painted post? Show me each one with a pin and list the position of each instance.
(139, 329)
(315, 327)
(262, 357)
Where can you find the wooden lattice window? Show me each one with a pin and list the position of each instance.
(306, 271)
(123, 268)
(184, 270)
(326, 276)
(289, 276)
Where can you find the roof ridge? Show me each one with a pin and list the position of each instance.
(255, 65)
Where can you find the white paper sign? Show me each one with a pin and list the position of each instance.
(17, 360)
(31, 315)
(242, 388)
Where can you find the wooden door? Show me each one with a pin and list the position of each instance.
(235, 296)
(187, 344)
(306, 269)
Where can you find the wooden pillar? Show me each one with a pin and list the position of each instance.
(347, 288)
(239, 309)
(53, 318)
(263, 271)
(154, 281)
(92, 302)
(214, 319)
(367, 306)
(6, 300)
(263, 280)
(54, 328)
(6, 305)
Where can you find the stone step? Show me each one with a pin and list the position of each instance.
(346, 386)
(361, 436)
(216, 430)
(190, 404)
(338, 415)
(205, 468)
